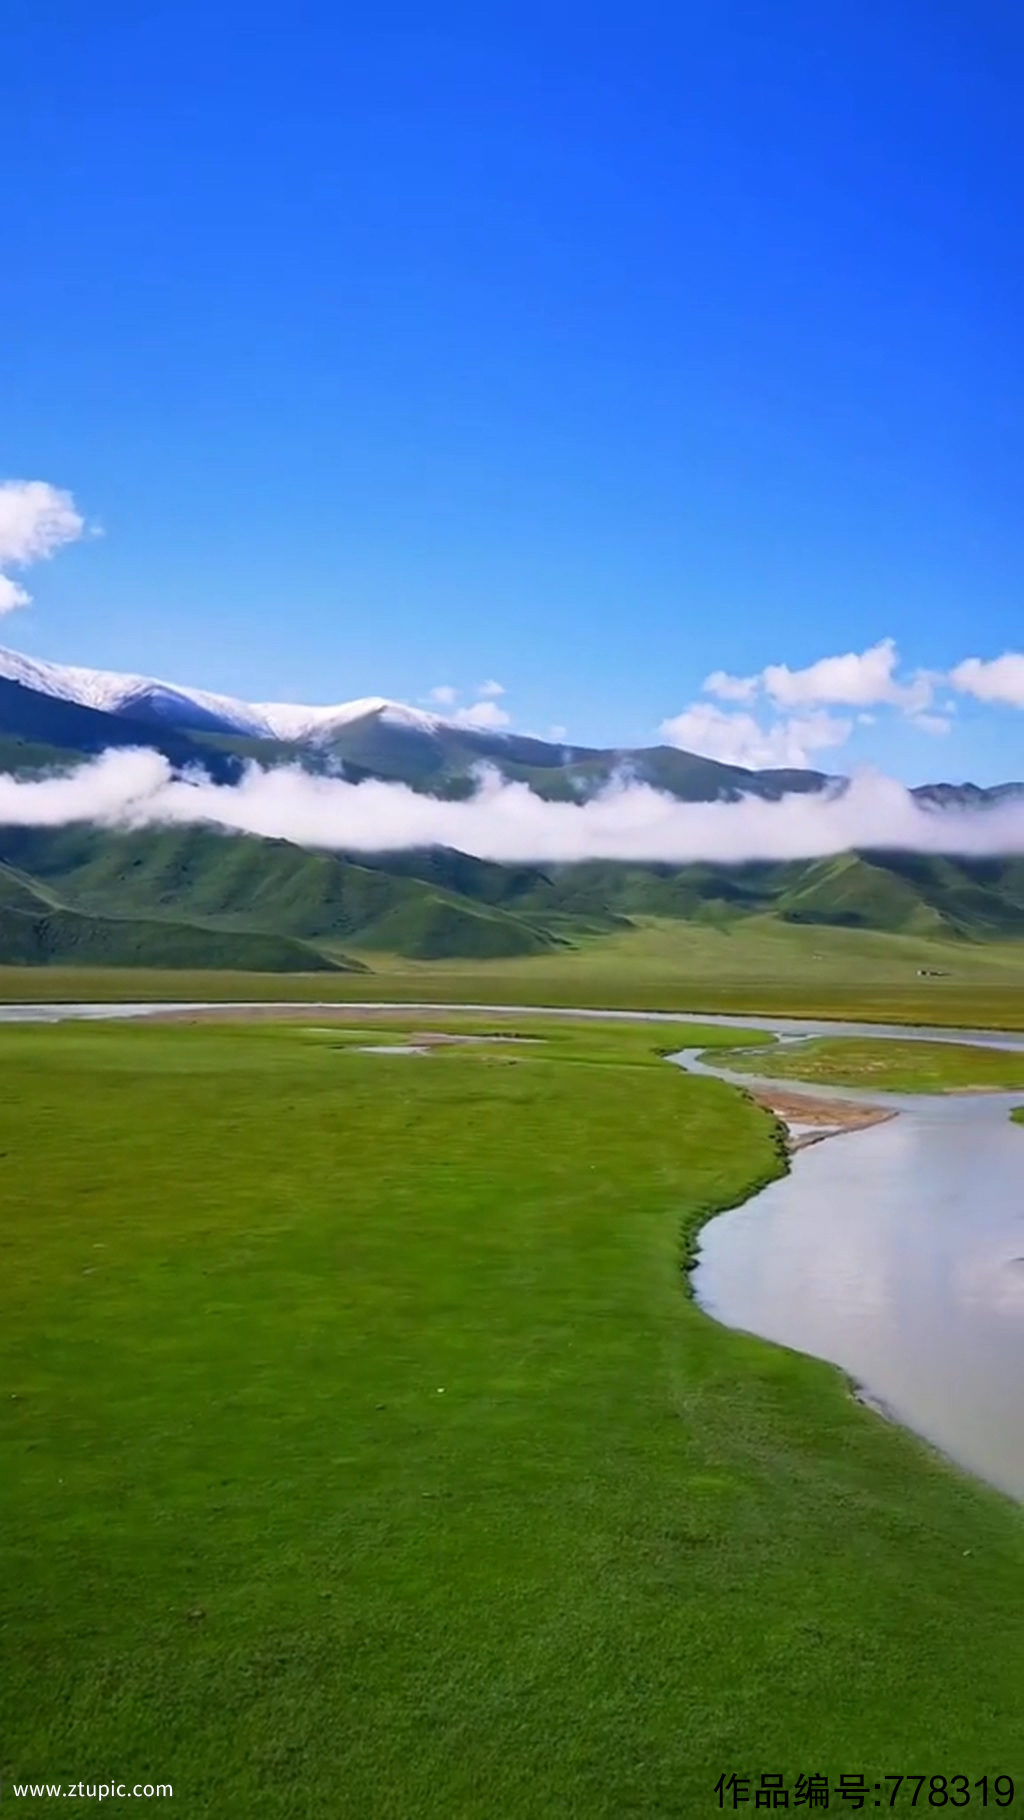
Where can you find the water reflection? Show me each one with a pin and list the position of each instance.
(897, 1252)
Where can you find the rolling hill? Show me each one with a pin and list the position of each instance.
(38, 930)
(223, 884)
(261, 904)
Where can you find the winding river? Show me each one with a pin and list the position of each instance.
(895, 1251)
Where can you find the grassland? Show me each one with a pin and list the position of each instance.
(759, 965)
(363, 1454)
(891, 1066)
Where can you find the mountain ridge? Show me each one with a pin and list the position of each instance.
(370, 736)
(149, 697)
(197, 896)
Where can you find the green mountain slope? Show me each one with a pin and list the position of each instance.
(24, 894)
(38, 928)
(436, 904)
(49, 937)
(908, 893)
(238, 881)
(434, 928)
(980, 897)
(853, 891)
(445, 760)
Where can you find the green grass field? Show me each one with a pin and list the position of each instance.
(891, 1066)
(363, 1454)
(759, 965)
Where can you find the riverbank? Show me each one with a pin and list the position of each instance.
(902, 1270)
(889, 1065)
(810, 1120)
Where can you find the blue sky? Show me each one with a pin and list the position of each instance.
(588, 349)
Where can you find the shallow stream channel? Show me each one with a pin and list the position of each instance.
(895, 1251)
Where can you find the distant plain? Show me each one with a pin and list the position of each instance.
(758, 965)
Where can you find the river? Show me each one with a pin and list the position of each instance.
(897, 1253)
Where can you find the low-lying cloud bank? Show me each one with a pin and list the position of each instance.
(507, 821)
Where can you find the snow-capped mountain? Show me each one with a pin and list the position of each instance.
(69, 708)
(198, 710)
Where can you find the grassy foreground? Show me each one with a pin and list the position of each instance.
(891, 1066)
(363, 1454)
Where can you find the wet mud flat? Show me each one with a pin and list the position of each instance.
(421, 1042)
(809, 1119)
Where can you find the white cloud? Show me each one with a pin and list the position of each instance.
(506, 821)
(854, 679)
(730, 688)
(484, 714)
(739, 739)
(999, 679)
(36, 520)
(794, 720)
(11, 595)
(786, 716)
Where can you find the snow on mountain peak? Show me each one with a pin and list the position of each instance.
(149, 698)
(286, 720)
